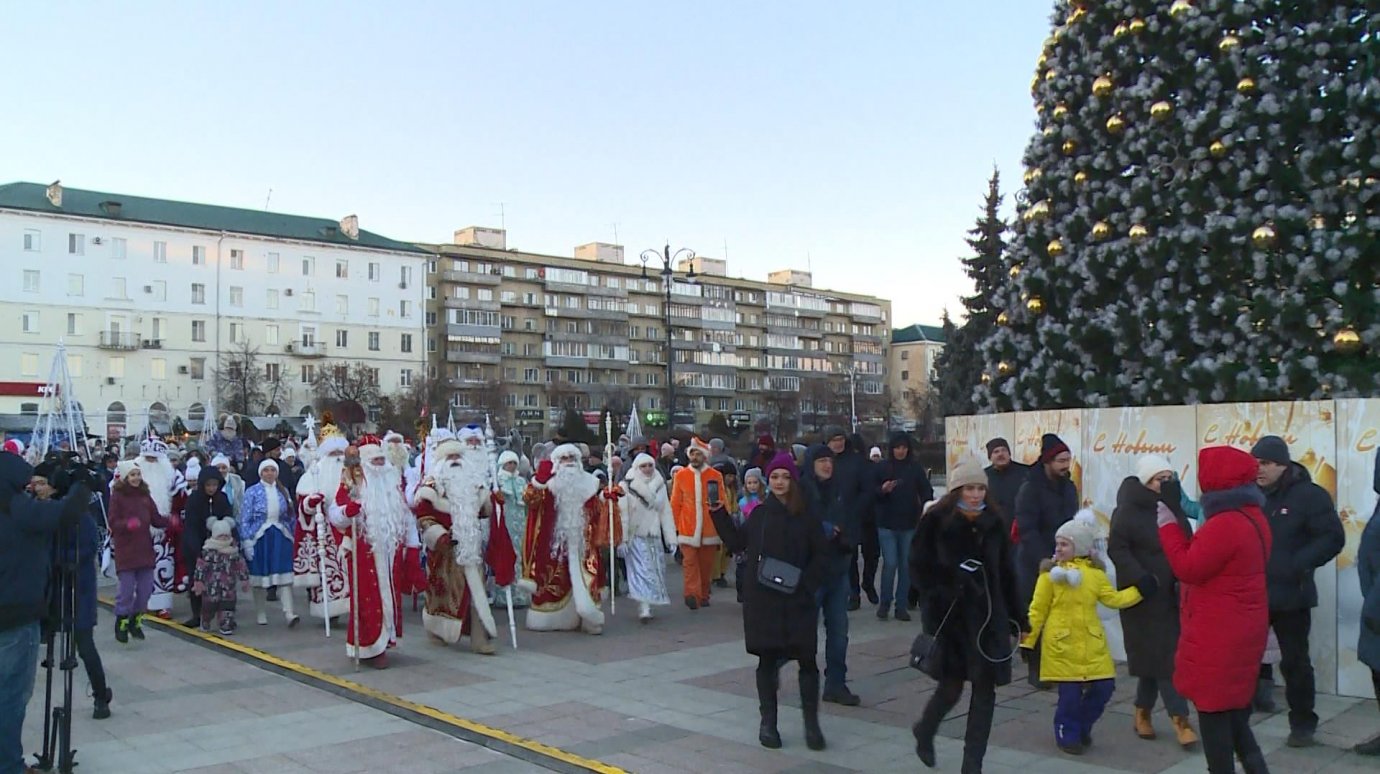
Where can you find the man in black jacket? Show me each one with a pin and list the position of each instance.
(27, 529)
(901, 487)
(1045, 501)
(824, 494)
(1004, 478)
(851, 473)
(1307, 534)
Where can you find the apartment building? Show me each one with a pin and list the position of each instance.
(914, 351)
(152, 298)
(525, 336)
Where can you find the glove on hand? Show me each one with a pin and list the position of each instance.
(315, 501)
(352, 510)
(545, 470)
(1163, 516)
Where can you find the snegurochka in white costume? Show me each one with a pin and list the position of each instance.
(647, 527)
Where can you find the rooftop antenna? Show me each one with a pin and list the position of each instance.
(502, 217)
(725, 249)
(268, 198)
(615, 234)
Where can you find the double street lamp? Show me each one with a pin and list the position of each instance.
(668, 260)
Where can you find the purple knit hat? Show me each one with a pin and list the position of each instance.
(783, 461)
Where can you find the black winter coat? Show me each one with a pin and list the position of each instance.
(775, 624)
(900, 510)
(199, 508)
(828, 506)
(1005, 485)
(1042, 507)
(1152, 627)
(1307, 535)
(979, 631)
(27, 527)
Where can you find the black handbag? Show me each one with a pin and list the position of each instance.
(775, 574)
(925, 654)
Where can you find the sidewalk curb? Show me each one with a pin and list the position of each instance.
(511, 745)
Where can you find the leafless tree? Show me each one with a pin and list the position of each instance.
(239, 380)
(348, 382)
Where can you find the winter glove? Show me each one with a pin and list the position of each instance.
(315, 501)
(342, 496)
(1026, 655)
(613, 492)
(545, 470)
(1163, 516)
(496, 497)
(1148, 585)
(352, 510)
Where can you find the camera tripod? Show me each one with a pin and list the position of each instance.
(60, 657)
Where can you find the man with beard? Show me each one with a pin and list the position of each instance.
(315, 551)
(567, 524)
(372, 522)
(169, 491)
(454, 509)
(395, 446)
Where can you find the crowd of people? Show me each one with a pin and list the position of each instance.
(1001, 565)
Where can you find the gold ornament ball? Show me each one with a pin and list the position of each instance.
(1042, 61)
(1245, 86)
(1101, 230)
(1061, 110)
(1080, 178)
(1039, 210)
(1078, 13)
(1039, 108)
(1049, 74)
(1228, 43)
(1139, 233)
(1121, 30)
(1137, 26)
(1102, 87)
(1004, 368)
(1015, 271)
(986, 378)
(1116, 125)
(1180, 8)
(1035, 305)
(1003, 319)
(1069, 147)
(1055, 248)
(1034, 84)
(1161, 110)
(1031, 175)
(1264, 237)
(1347, 341)
(1048, 131)
(1218, 149)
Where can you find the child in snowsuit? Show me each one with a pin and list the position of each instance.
(220, 568)
(753, 491)
(1073, 652)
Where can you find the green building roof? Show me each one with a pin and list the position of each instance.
(165, 212)
(912, 334)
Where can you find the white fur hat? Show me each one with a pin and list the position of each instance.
(126, 467)
(566, 449)
(447, 447)
(1151, 465)
(268, 463)
(219, 459)
(507, 457)
(220, 527)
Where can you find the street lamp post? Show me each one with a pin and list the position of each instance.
(668, 259)
(853, 397)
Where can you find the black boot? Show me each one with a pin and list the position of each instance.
(136, 630)
(766, 704)
(809, 707)
(103, 698)
(1255, 763)
(122, 629)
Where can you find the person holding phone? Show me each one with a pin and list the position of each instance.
(696, 490)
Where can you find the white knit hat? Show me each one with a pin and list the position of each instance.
(1151, 465)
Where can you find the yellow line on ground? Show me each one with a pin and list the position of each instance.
(388, 698)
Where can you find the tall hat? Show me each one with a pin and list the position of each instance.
(370, 446)
(471, 433)
(332, 440)
(153, 446)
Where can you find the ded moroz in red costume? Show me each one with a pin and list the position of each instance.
(370, 516)
(316, 553)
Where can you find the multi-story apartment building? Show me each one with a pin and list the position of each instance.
(914, 351)
(154, 299)
(526, 336)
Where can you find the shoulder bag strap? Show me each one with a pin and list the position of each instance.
(1263, 551)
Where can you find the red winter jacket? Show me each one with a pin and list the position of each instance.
(1224, 613)
(133, 545)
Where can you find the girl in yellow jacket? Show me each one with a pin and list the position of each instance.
(1073, 650)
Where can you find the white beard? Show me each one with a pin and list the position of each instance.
(386, 518)
(477, 460)
(159, 476)
(397, 454)
(571, 487)
(328, 472)
(461, 486)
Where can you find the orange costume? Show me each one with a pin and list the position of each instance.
(695, 533)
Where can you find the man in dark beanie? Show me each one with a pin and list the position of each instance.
(1044, 502)
(1004, 478)
(1307, 535)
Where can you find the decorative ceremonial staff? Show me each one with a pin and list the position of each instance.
(322, 535)
(499, 507)
(608, 461)
(354, 469)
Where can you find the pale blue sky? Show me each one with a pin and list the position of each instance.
(859, 134)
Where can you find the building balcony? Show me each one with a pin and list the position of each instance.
(120, 340)
(457, 356)
(467, 303)
(471, 278)
(314, 349)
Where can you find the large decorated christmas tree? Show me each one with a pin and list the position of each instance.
(1201, 218)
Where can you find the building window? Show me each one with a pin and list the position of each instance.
(31, 284)
(430, 318)
(199, 330)
(198, 255)
(73, 324)
(198, 293)
(407, 342)
(373, 341)
(160, 252)
(308, 301)
(431, 292)
(117, 289)
(158, 369)
(342, 269)
(431, 344)
(74, 365)
(118, 248)
(905, 376)
(405, 377)
(405, 277)
(485, 294)
(308, 266)
(236, 296)
(308, 373)
(197, 368)
(273, 372)
(404, 308)
(271, 300)
(308, 336)
(76, 244)
(374, 272)
(117, 367)
(33, 240)
(460, 292)
(342, 339)
(236, 333)
(373, 307)
(271, 261)
(30, 321)
(28, 364)
(905, 355)
(271, 335)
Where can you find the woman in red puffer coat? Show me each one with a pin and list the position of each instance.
(1224, 613)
